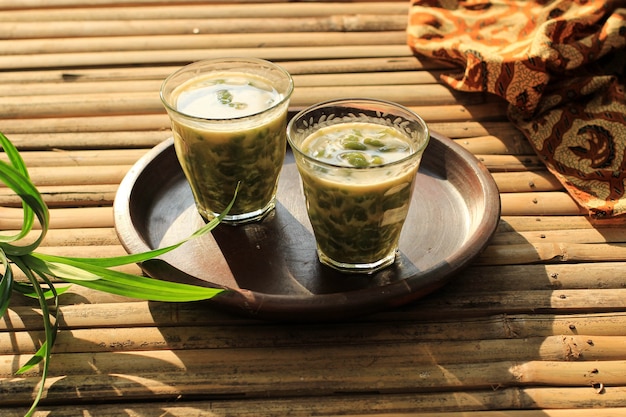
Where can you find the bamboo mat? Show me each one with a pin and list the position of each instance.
(536, 326)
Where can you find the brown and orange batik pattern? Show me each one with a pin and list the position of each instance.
(560, 64)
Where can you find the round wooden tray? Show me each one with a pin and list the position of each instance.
(271, 269)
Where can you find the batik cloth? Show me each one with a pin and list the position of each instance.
(559, 64)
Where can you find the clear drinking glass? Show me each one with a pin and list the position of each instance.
(357, 159)
(228, 119)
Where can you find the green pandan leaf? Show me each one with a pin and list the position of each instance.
(50, 328)
(140, 257)
(15, 176)
(116, 282)
(27, 290)
(6, 283)
(88, 272)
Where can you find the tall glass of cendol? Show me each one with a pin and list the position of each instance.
(358, 159)
(228, 119)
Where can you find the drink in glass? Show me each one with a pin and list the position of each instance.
(228, 119)
(358, 159)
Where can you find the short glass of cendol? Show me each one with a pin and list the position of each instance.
(228, 119)
(358, 159)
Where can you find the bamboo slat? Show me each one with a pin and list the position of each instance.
(168, 358)
(166, 10)
(45, 4)
(47, 75)
(66, 196)
(248, 343)
(73, 105)
(165, 26)
(497, 145)
(511, 254)
(397, 405)
(463, 322)
(472, 129)
(86, 88)
(517, 302)
(526, 181)
(412, 322)
(273, 379)
(18, 47)
(74, 237)
(87, 140)
(367, 78)
(152, 85)
(74, 175)
(538, 277)
(122, 123)
(215, 341)
(535, 223)
(588, 235)
(539, 204)
(512, 163)
(158, 57)
(326, 66)
(389, 63)
(87, 217)
(96, 157)
(408, 95)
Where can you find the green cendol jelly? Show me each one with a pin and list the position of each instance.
(219, 156)
(358, 207)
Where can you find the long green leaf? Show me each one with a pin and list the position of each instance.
(27, 290)
(159, 293)
(117, 282)
(31, 202)
(135, 257)
(144, 256)
(40, 355)
(44, 352)
(6, 283)
(57, 266)
(13, 154)
(18, 164)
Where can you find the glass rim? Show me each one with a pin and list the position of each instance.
(414, 115)
(285, 97)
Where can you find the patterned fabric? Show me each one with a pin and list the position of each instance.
(560, 64)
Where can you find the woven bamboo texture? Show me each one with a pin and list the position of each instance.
(536, 326)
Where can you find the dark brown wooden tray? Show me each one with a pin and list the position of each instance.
(271, 269)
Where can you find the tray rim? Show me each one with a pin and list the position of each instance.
(297, 307)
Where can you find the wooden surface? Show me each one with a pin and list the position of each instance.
(536, 326)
